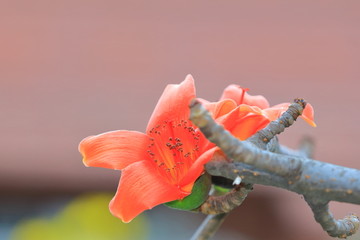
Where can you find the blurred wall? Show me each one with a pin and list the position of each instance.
(69, 69)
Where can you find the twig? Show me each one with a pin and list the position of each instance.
(227, 202)
(341, 228)
(209, 227)
(217, 208)
(263, 137)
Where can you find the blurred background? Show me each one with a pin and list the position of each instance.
(69, 69)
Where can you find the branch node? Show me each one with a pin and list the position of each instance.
(227, 202)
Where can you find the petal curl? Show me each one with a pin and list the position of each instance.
(230, 120)
(115, 150)
(218, 109)
(275, 112)
(141, 188)
(173, 103)
(240, 96)
(308, 115)
(249, 125)
(197, 168)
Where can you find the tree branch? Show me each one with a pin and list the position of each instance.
(264, 136)
(295, 172)
(217, 207)
(341, 228)
(241, 151)
(227, 202)
(209, 226)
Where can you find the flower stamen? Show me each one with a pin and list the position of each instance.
(176, 154)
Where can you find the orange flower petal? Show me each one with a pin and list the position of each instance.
(218, 109)
(198, 167)
(308, 115)
(275, 112)
(173, 103)
(115, 150)
(141, 188)
(231, 119)
(236, 93)
(249, 125)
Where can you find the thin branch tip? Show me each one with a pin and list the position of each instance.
(340, 228)
(300, 101)
(263, 137)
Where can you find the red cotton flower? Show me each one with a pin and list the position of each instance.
(160, 165)
(253, 112)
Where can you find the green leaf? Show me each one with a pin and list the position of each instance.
(199, 194)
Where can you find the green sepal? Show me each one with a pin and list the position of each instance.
(220, 190)
(199, 194)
